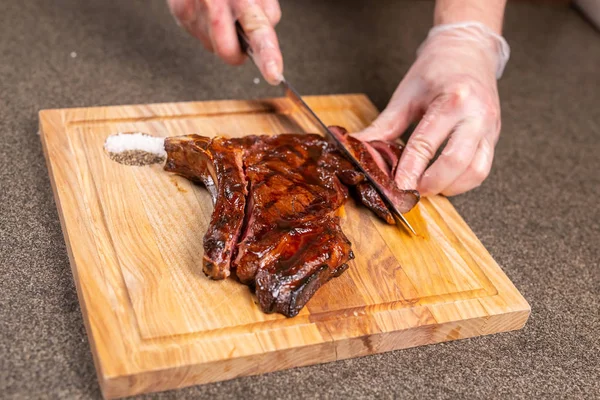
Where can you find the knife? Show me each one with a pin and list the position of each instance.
(292, 94)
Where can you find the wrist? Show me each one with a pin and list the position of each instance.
(488, 12)
(469, 37)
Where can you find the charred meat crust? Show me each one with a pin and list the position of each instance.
(313, 253)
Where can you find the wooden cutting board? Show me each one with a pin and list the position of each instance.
(155, 322)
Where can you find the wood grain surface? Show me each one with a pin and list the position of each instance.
(155, 322)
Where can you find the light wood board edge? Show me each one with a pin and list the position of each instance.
(369, 344)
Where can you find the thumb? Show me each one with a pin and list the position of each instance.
(402, 109)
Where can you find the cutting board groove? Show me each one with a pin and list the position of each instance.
(134, 236)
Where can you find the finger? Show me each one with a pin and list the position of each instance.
(403, 108)
(263, 41)
(188, 14)
(199, 29)
(430, 133)
(455, 158)
(183, 10)
(272, 11)
(478, 170)
(223, 35)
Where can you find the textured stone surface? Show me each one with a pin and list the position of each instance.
(538, 213)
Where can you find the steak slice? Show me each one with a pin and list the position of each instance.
(276, 199)
(390, 152)
(376, 165)
(369, 197)
(218, 164)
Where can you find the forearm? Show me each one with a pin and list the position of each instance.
(488, 12)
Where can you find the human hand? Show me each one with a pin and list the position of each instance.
(213, 23)
(452, 85)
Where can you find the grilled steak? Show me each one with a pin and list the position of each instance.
(276, 198)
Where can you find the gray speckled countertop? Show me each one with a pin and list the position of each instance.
(538, 213)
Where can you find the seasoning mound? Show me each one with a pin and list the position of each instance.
(135, 148)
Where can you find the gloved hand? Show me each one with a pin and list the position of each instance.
(213, 23)
(452, 85)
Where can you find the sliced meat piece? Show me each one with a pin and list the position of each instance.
(218, 163)
(380, 162)
(351, 177)
(343, 168)
(370, 198)
(391, 153)
(404, 200)
(366, 193)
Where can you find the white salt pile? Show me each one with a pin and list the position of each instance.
(135, 148)
(135, 141)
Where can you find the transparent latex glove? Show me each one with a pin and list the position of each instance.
(452, 86)
(213, 23)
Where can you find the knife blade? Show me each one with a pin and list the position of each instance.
(292, 94)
